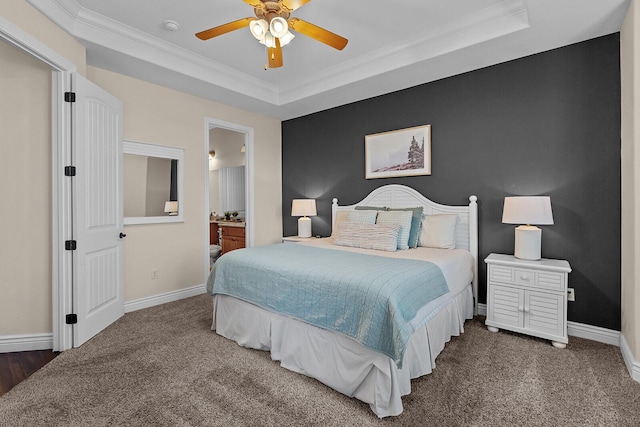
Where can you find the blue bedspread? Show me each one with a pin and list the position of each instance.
(369, 298)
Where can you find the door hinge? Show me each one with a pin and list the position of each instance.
(69, 97)
(71, 319)
(70, 245)
(69, 171)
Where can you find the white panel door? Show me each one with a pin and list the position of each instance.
(98, 290)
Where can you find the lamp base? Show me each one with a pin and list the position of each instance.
(304, 226)
(528, 242)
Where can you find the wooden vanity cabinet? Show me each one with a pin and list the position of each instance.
(232, 238)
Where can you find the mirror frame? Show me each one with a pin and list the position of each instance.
(143, 149)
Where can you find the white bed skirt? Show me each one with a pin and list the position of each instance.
(338, 361)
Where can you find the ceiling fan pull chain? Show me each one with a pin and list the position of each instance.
(267, 52)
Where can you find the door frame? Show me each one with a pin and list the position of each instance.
(212, 123)
(63, 75)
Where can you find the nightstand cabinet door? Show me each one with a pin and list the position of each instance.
(544, 313)
(507, 306)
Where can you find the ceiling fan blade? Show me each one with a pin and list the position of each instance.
(290, 5)
(320, 34)
(223, 29)
(275, 55)
(255, 3)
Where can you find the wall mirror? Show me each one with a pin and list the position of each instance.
(153, 183)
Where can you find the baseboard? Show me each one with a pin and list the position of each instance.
(482, 309)
(632, 365)
(13, 343)
(594, 333)
(154, 300)
(581, 330)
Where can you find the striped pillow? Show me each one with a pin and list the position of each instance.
(362, 217)
(401, 218)
(367, 236)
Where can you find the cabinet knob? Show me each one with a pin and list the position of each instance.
(524, 277)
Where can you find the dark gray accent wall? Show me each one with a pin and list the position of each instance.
(547, 124)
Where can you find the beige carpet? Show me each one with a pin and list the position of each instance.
(163, 366)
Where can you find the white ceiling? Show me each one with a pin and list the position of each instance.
(392, 44)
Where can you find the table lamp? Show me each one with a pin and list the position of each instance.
(171, 208)
(302, 208)
(527, 210)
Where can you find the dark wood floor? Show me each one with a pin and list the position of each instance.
(16, 367)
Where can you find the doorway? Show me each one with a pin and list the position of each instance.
(229, 163)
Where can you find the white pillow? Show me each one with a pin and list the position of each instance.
(438, 231)
(401, 218)
(362, 217)
(367, 236)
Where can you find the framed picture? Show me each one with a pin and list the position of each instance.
(405, 152)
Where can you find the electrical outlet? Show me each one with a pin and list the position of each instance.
(571, 294)
(154, 274)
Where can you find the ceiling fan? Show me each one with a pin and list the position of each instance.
(271, 27)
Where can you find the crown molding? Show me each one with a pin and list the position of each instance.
(99, 30)
(501, 19)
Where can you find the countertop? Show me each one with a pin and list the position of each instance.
(230, 223)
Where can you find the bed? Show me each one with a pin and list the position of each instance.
(344, 357)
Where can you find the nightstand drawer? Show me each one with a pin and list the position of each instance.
(528, 278)
(500, 274)
(552, 280)
(524, 277)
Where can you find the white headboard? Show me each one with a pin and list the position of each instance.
(401, 196)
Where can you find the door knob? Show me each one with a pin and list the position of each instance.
(122, 235)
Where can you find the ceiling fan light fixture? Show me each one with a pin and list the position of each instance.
(259, 28)
(279, 27)
(284, 40)
(270, 40)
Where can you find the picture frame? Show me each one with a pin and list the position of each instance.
(404, 152)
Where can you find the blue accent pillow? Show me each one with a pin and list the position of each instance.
(416, 224)
(403, 219)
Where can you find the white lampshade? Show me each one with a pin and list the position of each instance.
(284, 40)
(259, 28)
(527, 210)
(279, 26)
(302, 208)
(171, 207)
(269, 40)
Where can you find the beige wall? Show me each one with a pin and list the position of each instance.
(25, 157)
(25, 188)
(158, 115)
(630, 80)
(151, 114)
(24, 16)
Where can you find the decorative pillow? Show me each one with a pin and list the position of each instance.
(341, 216)
(416, 224)
(371, 208)
(362, 217)
(367, 236)
(401, 218)
(438, 231)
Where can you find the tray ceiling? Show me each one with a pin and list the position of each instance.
(392, 45)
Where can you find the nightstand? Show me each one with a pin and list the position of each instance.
(529, 297)
(295, 239)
